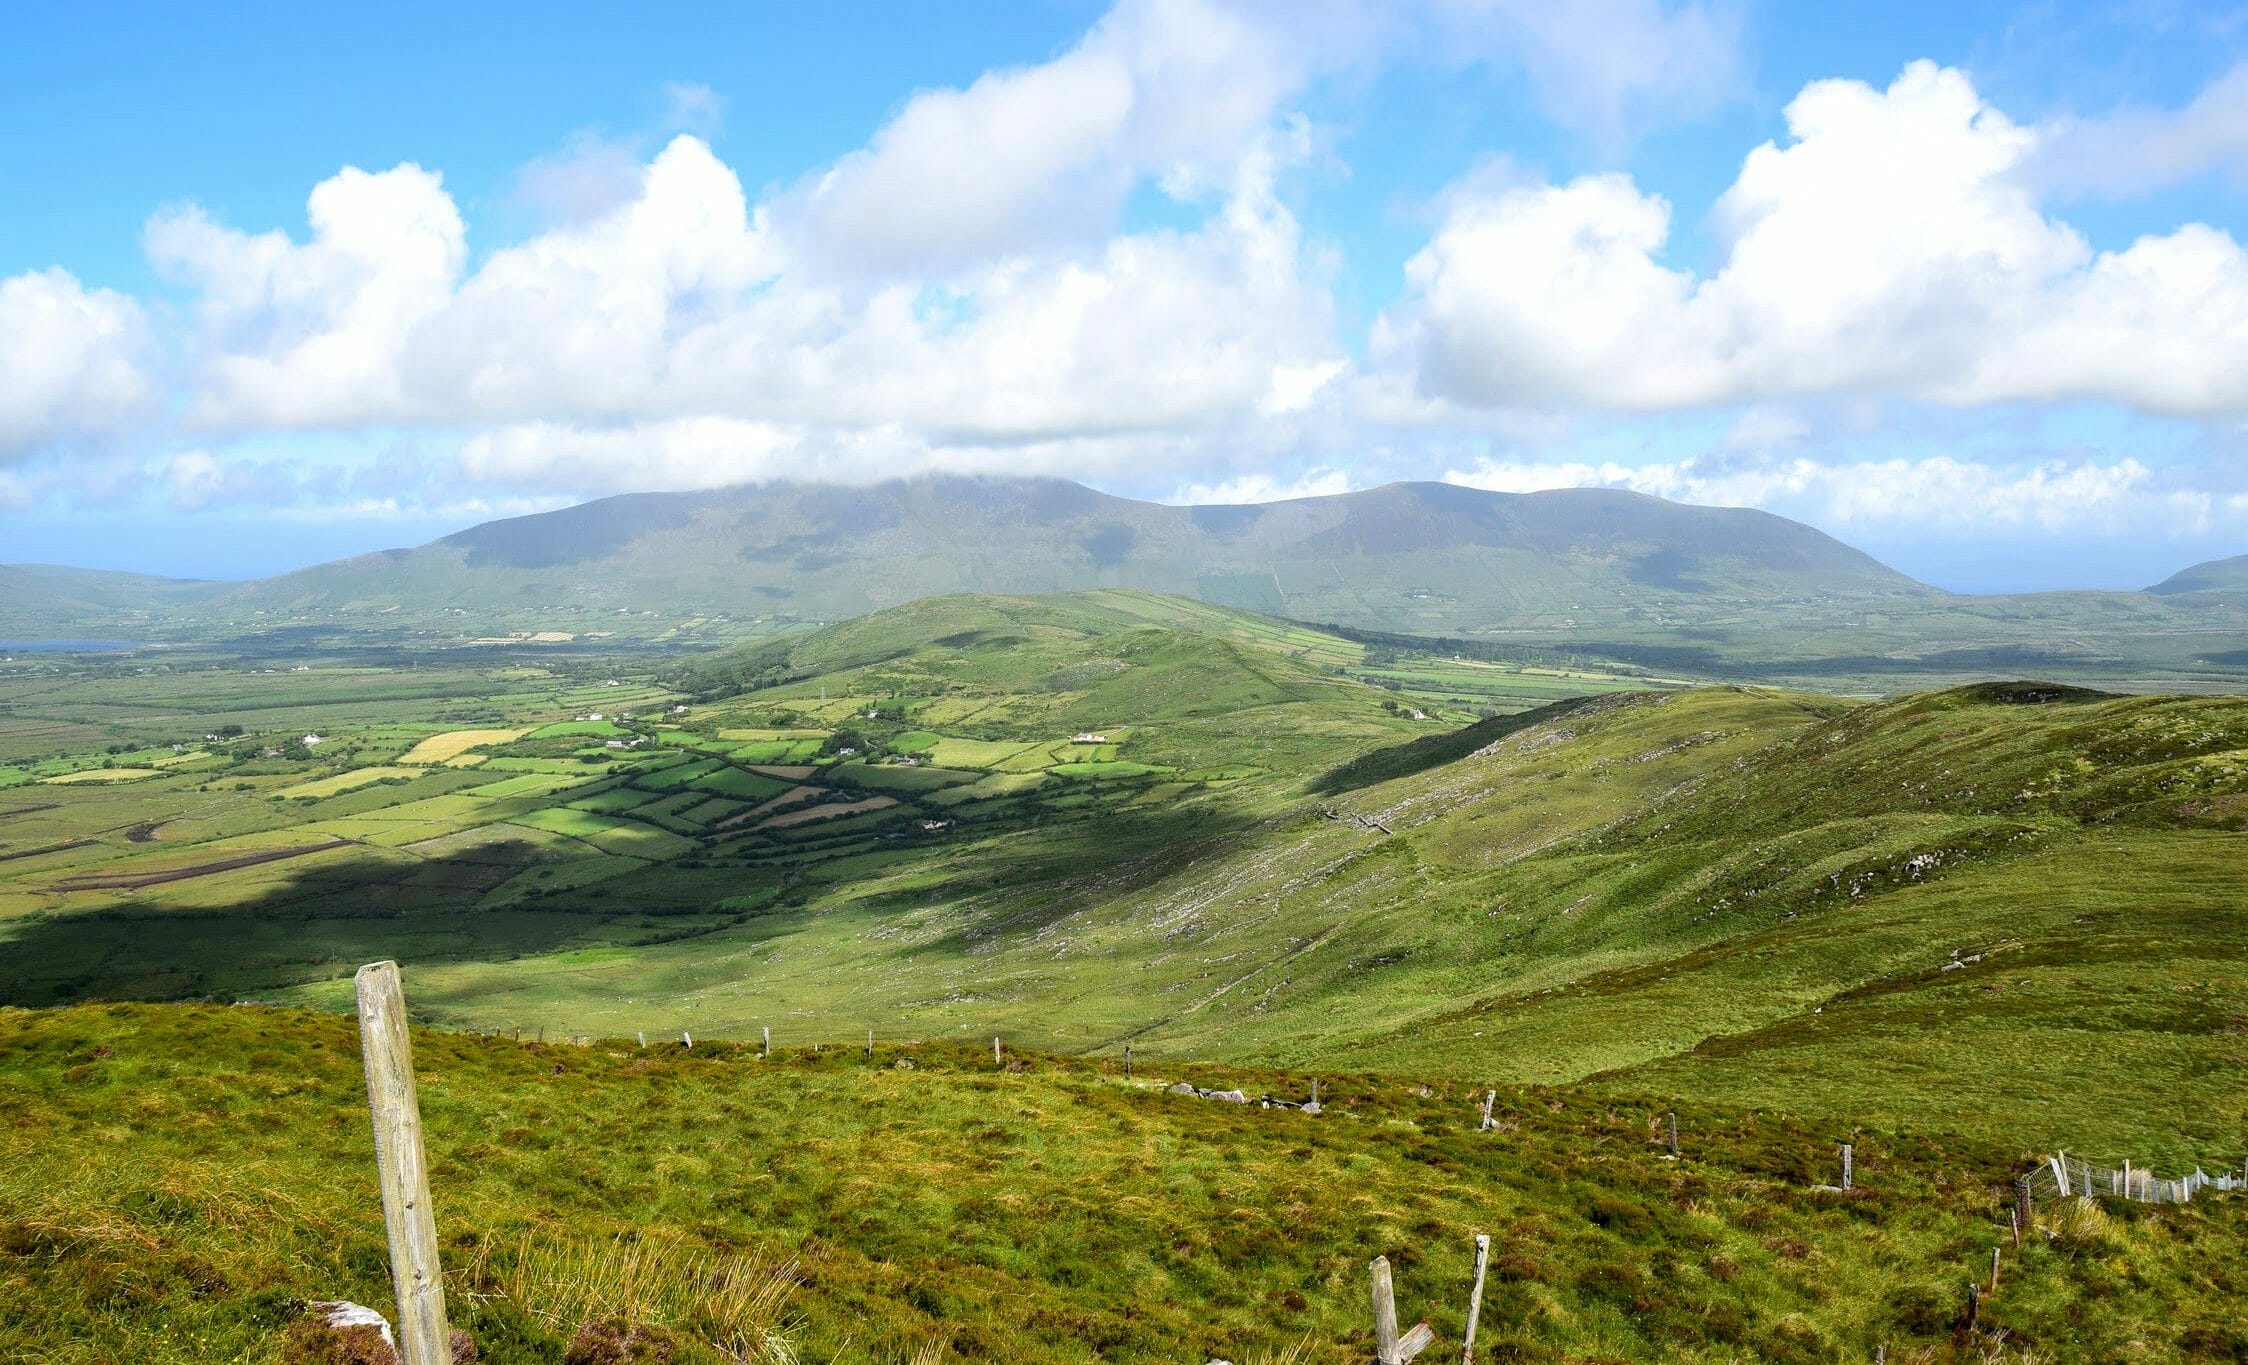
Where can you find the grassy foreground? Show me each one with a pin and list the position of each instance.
(173, 1177)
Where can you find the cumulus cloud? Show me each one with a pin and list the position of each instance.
(1040, 157)
(73, 362)
(1891, 248)
(684, 302)
(314, 333)
(1931, 492)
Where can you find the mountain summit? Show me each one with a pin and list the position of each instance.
(1423, 557)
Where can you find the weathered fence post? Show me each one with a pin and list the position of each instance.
(1127, 1061)
(542, 1033)
(1385, 1311)
(1974, 1306)
(387, 1050)
(1475, 1297)
(996, 1060)
(1845, 1167)
(1994, 1270)
(688, 1039)
(767, 1030)
(870, 1040)
(642, 1035)
(1490, 1097)
(1313, 1107)
(1390, 1348)
(1674, 1135)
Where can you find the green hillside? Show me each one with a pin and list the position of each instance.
(2217, 575)
(1576, 578)
(43, 600)
(1955, 929)
(922, 1204)
(2011, 911)
(1428, 557)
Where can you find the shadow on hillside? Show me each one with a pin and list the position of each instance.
(1434, 751)
(320, 919)
(311, 921)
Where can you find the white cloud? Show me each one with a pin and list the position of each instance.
(683, 303)
(2133, 150)
(1042, 157)
(1930, 493)
(689, 107)
(1311, 483)
(195, 477)
(1604, 67)
(313, 334)
(72, 362)
(1891, 248)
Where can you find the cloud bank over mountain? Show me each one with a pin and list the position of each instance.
(1119, 263)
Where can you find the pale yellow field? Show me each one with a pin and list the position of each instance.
(101, 775)
(452, 744)
(343, 782)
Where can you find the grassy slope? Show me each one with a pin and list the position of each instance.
(1039, 1214)
(1725, 892)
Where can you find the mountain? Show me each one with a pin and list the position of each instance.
(1419, 557)
(37, 599)
(2217, 575)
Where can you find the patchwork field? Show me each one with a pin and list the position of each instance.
(1996, 920)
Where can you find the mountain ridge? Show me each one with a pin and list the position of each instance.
(1427, 554)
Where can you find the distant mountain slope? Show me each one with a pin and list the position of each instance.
(1416, 556)
(2217, 575)
(37, 599)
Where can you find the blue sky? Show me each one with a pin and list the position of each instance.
(1960, 284)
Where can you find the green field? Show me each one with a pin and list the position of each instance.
(1983, 922)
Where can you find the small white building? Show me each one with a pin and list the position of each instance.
(1088, 738)
(311, 740)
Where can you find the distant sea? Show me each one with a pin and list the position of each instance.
(66, 646)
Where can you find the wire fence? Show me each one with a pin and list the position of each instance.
(2070, 1177)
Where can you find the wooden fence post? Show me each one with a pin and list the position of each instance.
(1994, 1270)
(1974, 1306)
(1127, 1061)
(767, 1031)
(1674, 1135)
(870, 1040)
(995, 1058)
(1490, 1097)
(1389, 1347)
(1845, 1166)
(688, 1039)
(1475, 1297)
(387, 1050)
(642, 1035)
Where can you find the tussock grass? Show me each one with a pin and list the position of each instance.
(173, 1177)
(730, 1303)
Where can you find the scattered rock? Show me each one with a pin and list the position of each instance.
(338, 1332)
